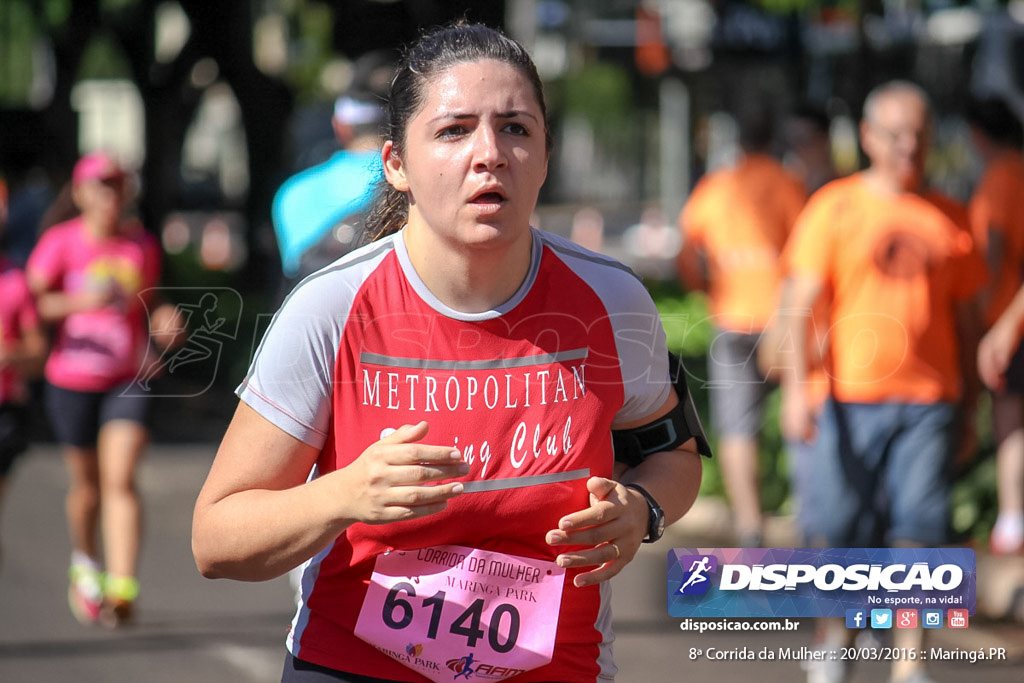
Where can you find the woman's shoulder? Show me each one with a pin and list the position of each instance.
(578, 256)
(614, 281)
(346, 274)
(59, 241)
(68, 230)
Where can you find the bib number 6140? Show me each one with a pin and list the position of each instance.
(397, 614)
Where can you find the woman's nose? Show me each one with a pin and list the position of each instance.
(487, 151)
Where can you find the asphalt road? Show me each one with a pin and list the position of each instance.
(190, 629)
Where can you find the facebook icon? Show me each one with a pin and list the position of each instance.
(856, 618)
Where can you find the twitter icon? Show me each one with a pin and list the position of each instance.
(881, 618)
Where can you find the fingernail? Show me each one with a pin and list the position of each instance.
(565, 524)
(463, 468)
(558, 538)
(458, 488)
(562, 561)
(455, 455)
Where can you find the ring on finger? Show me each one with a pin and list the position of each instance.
(617, 553)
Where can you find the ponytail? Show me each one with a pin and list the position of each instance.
(389, 213)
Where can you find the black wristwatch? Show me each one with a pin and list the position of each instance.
(656, 516)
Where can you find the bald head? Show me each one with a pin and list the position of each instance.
(895, 132)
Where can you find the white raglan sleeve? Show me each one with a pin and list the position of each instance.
(643, 354)
(639, 335)
(291, 377)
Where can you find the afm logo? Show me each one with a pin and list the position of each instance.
(696, 580)
(466, 667)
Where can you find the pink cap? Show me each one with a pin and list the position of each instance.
(96, 166)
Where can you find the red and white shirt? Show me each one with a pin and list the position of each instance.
(530, 389)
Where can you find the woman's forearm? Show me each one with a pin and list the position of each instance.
(672, 478)
(260, 534)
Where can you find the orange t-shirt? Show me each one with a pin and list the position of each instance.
(741, 218)
(896, 266)
(997, 207)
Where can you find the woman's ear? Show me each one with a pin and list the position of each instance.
(394, 170)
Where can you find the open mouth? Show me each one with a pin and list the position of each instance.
(489, 198)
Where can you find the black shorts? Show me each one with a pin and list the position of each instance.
(299, 671)
(13, 434)
(76, 416)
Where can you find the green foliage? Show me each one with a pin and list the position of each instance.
(16, 44)
(848, 7)
(56, 12)
(685, 318)
(784, 6)
(103, 59)
(184, 270)
(116, 5)
(974, 500)
(601, 93)
(311, 49)
(23, 22)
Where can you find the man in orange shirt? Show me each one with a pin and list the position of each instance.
(997, 220)
(901, 273)
(734, 226)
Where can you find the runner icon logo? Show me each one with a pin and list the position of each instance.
(695, 581)
(465, 667)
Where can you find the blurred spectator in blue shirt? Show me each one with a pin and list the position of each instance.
(318, 212)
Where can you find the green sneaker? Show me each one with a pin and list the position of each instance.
(119, 595)
(85, 593)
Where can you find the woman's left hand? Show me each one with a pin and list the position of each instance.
(613, 527)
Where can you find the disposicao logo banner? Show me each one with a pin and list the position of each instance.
(817, 582)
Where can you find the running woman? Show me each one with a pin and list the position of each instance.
(87, 274)
(427, 424)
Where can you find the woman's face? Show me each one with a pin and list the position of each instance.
(474, 156)
(102, 201)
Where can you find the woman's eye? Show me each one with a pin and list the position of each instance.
(517, 129)
(452, 131)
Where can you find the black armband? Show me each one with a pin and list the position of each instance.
(666, 433)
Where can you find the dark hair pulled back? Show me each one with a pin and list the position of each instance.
(433, 54)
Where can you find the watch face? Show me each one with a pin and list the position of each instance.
(656, 518)
(658, 525)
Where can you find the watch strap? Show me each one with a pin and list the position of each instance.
(655, 515)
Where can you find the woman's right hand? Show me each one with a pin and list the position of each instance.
(396, 478)
(95, 298)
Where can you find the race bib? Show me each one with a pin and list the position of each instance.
(453, 613)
